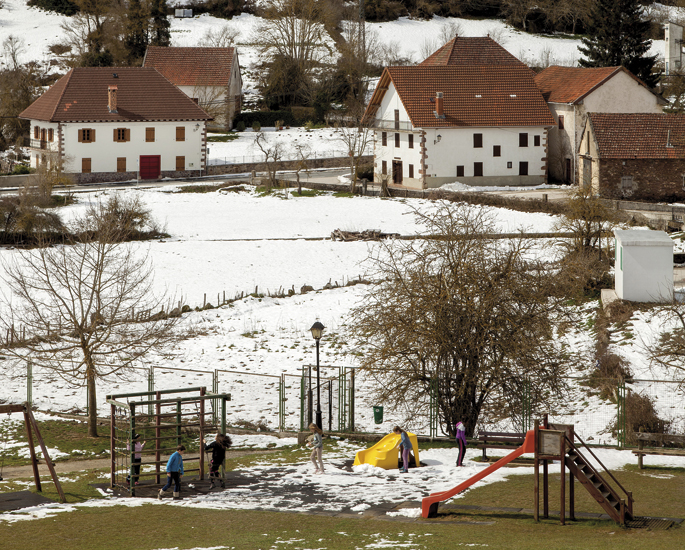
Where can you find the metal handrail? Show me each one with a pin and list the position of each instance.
(629, 495)
(391, 124)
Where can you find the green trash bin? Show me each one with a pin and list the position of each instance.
(378, 415)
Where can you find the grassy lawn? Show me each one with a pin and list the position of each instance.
(657, 492)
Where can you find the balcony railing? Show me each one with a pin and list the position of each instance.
(391, 125)
(42, 144)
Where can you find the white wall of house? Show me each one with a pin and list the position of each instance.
(105, 150)
(644, 265)
(454, 148)
(619, 94)
(43, 149)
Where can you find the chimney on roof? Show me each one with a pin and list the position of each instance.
(112, 98)
(439, 108)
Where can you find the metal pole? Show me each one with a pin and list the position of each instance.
(310, 406)
(318, 389)
(330, 406)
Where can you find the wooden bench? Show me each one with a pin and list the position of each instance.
(499, 440)
(658, 439)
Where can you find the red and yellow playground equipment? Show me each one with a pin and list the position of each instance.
(554, 442)
(385, 453)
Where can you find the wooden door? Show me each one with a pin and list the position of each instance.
(397, 172)
(150, 167)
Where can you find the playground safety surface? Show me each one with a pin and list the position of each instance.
(315, 497)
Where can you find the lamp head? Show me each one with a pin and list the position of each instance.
(317, 330)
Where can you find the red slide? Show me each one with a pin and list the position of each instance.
(429, 505)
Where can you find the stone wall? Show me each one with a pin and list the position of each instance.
(653, 179)
(102, 177)
(339, 162)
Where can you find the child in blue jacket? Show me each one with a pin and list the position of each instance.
(174, 472)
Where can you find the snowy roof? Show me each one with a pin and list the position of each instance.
(642, 237)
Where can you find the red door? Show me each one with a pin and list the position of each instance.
(150, 167)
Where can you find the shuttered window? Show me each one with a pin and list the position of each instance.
(523, 139)
(36, 132)
(180, 133)
(85, 166)
(180, 163)
(149, 134)
(477, 168)
(411, 141)
(86, 135)
(51, 134)
(384, 139)
(411, 170)
(122, 134)
(496, 150)
(536, 141)
(121, 164)
(384, 169)
(397, 140)
(477, 141)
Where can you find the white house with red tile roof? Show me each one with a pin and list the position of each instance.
(116, 124)
(211, 76)
(477, 124)
(573, 92)
(637, 156)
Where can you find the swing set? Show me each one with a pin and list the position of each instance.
(31, 429)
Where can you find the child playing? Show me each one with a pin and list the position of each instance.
(218, 448)
(137, 458)
(461, 441)
(174, 472)
(317, 448)
(406, 446)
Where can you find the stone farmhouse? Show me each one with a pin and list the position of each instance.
(211, 76)
(117, 124)
(637, 156)
(470, 113)
(573, 92)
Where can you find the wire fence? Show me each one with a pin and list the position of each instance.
(287, 156)
(604, 412)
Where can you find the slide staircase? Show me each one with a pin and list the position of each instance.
(618, 508)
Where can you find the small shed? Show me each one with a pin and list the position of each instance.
(644, 265)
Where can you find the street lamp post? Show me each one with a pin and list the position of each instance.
(317, 331)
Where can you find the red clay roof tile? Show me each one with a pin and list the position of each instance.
(639, 135)
(572, 84)
(473, 95)
(481, 50)
(143, 94)
(192, 66)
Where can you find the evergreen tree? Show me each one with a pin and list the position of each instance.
(617, 35)
(137, 37)
(159, 32)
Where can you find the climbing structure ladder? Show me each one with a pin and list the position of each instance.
(560, 442)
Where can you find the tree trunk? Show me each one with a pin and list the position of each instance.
(92, 406)
(353, 178)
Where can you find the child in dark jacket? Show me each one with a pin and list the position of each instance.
(174, 472)
(460, 433)
(218, 448)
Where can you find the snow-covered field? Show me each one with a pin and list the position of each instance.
(233, 242)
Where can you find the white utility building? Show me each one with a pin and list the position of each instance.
(644, 265)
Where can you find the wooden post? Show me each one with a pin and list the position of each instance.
(202, 433)
(536, 489)
(545, 489)
(158, 434)
(562, 509)
(46, 457)
(112, 445)
(32, 450)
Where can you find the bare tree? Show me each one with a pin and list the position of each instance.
(88, 307)
(220, 37)
(273, 154)
(587, 219)
(355, 133)
(302, 152)
(463, 316)
(666, 349)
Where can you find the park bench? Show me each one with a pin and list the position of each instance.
(499, 440)
(660, 440)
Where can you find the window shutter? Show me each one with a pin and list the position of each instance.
(85, 166)
(121, 164)
(149, 134)
(80, 136)
(92, 135)
(127, 134)
(115, 137)
(51, 134)
(180, 164)
(180, 133)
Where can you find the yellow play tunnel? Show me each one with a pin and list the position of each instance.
(386, 453)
